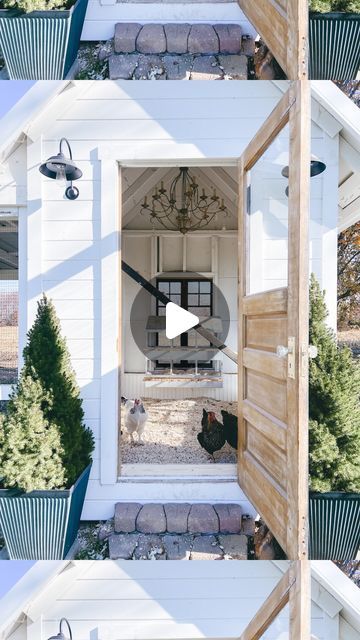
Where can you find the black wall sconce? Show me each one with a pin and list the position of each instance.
(61, 635)
(61, 168)
(316, 167)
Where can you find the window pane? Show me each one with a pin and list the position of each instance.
(175, 299)
(205, 287)
(175, 287)
(205, 299)
(193, 299)
(164, 287)
(193, 286)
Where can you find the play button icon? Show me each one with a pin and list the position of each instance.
(178, 320)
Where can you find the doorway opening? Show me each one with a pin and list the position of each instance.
(184, 380)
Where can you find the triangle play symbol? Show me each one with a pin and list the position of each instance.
(178, 320)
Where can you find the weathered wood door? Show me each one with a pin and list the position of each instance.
(293, 589)
(283, 26)
(273, 384)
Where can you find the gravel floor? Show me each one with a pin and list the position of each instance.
(170, 434)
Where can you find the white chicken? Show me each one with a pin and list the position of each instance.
(135, 418)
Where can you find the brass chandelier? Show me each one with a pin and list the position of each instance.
(182, 207)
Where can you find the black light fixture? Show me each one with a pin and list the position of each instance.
(61, 635)
(316, 167)
(61, 168)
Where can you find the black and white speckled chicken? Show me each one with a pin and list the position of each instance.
(230, 428)
(211, 436)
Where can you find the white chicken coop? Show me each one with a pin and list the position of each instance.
(127, 138)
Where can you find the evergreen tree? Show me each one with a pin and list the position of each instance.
(47, 360)
(334, 409)
(30, 447)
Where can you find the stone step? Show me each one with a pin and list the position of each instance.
(137, 66)
(181, 38)
(140, 546)
(180, 518)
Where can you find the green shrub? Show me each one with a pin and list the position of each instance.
(334, 409)
(34, 5)
(30, 447)
(57, 406)
(325, 6)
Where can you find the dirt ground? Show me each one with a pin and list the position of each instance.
(8, 354)
(170, 434)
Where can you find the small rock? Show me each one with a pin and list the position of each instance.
(203, 519)
(177, 67)
(151, 39)
(248, 526)
(177, 517)
(234, 67)
(177, 37)
(151, 519)
(125, 36)
(248, 46)
(235, 546)
(177, 547)
(125, 516)
(206, 548)
(149, 67)
(203, 39)
(229, 517)
(122, 66)
(229, 37)
(106, 50)
(106, 529)
(149, 547)
(122, 546)
(206, 68)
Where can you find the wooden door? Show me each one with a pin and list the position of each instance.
(273, 386)
(293, 589)
(283, 26)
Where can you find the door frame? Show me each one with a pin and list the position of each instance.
(293, 110)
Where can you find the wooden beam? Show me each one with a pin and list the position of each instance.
(300, 600)
(272, 606)
(298, 319)
(267, 133)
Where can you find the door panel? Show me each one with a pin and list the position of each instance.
(273, 423)
(283, 26)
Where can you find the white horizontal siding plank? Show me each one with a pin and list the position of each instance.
(89, 190)
(71, 230)
(161, 129)
(81, 349)
(169, 589)
(79, 269)
(184, 92)
(71, 250)
(122, 570)
(79, 210)
(71, 289)
(75, 329)
(171, 109)
(78, 309)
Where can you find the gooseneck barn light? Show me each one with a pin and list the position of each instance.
(61, 168)
(316, 167)
(61, 635)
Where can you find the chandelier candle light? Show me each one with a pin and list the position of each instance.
(182, 208)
